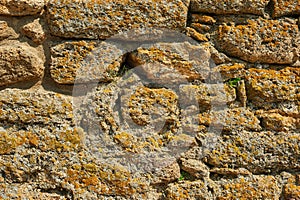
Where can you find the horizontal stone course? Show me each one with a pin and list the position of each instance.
(101, 19)
(229, 6)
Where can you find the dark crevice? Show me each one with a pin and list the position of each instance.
(269, 9)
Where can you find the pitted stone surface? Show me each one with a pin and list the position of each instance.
(21, 7)
(19, 62)
(229, 6)
(286, 7)
(102, 19)
(85, 61)
(272, 86)
(259, 152)
(261, 41)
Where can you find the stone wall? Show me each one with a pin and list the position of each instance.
(169, 99)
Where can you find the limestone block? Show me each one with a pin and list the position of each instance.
(270, 86)
(259, 152)
(21, 7)
(19, 62)
(34, 31)
(261, 41)
(84, 61)
(102, 19)
(229, 6)
(286, 7)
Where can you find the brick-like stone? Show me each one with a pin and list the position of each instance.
(231, 120)
(259, 152)
(19, 62)
(208, 95)
(21, 7)
(199, 189)
(249, 187)
(192, 63)
(286, 7)
(83, 61)
(195, 167)
(229, 6)
(271, 86)
(102, 19)
(29, 107)
(273, 120)
(261, 41)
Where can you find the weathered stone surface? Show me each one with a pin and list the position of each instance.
(191, 32)
(259, 41)
(167, 174)
(84, 61)
(286, 7)
(192, 190)
(230, 172)
(229, 6)
(34, 31)
(231, 120)
(7, 32)
(271, 86)
(192, 63)
(291, 189)
(249, 187)
(273, 120)
(21, 7)
(102, 19)
(208, 95)
(205, 19)
(19, 62)
(228, 71)
(15, 191)
(29, 107)
(195, 168)
(259, 152)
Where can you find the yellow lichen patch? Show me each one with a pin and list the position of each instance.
(146, 102)
(260, 40)
(196, 35)
(256, 187)
(163, 59)
(286, 7)
(205, 19)
(265, 85)
(69, 139)
(10, 141)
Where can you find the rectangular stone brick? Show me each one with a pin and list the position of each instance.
(100, 19)
(286, 7)
(229, 6)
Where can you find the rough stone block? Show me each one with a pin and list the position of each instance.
(30, 107)
(191, 63)
(271, 86)
(259, 152)
(261, 41)
(98, 19)
(21, 7)
(229, 6)
(34, 31)
(19, 62)
(249, 187)
(84, 61)
(7, 32)
(286, 7)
